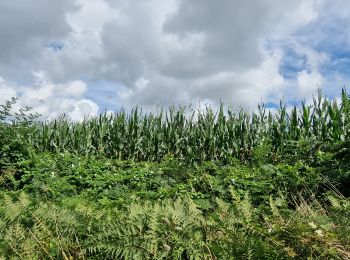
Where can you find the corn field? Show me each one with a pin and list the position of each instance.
(196, 135)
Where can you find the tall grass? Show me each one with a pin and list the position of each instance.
(197, 135)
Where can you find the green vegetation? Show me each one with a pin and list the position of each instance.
(197, 136)
(178, 184)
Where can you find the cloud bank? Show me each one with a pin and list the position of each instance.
(170, 51)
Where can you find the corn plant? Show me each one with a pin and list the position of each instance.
(196, 136)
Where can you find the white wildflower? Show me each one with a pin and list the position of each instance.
(312, 225)
(319, 232)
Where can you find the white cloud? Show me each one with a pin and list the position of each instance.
(51, 100)
(199, 50)
(310, 78)
(308, 82)
(90, 18)
(6, 92)
(164, 51)
(245, 88)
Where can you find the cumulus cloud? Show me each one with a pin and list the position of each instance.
(223, 51)
(51, 100)
(25, 28)
(196, 50)
(168, 51)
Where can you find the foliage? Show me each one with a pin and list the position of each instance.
(175, 229)
(177, 185)
(202, 135)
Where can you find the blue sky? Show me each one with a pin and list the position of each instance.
(82, 57)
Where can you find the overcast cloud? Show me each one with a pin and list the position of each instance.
(54, 53)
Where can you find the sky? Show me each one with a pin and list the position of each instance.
(83, 57)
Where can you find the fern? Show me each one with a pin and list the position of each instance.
(174, 229)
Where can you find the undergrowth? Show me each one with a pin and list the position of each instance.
(176, 229)
(223, 185)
